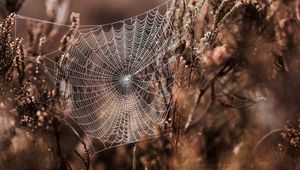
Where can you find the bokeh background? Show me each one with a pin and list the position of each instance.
(247, 115)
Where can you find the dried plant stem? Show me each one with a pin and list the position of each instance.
(61, 161)
(264, 138)
(134, 157)
(86, 157)
(210, 84)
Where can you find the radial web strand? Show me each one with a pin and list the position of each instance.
(115, 79)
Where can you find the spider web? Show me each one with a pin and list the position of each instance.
(115, 79)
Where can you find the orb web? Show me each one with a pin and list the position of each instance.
(115, 79)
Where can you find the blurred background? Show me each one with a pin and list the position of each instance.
(92, 12)
(237, 109)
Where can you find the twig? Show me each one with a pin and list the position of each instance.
(86, 158)
(134, 158)
(223, 71)
(62, 163)
(264, 138)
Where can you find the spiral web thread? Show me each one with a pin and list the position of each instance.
(115, 80)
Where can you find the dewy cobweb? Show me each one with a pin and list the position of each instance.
(116, 80)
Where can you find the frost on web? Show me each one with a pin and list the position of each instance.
(115, 79)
